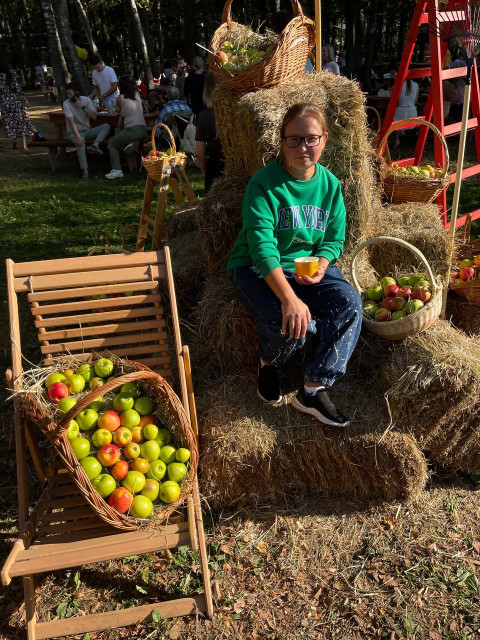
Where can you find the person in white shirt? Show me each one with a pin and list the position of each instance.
(328, 60)
(78, 111)
(105, 82)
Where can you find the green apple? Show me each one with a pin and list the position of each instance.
(123, 402)
(403, 281)
(103, 368)
(96, 405)
(421, 283)
(156, 470)
(176, 471)
(375, 293)
(73, 430)
(104, 484)
(86, 371)
(413, 305)
(130, 419)
(101, 437)
(163, 437)
(76, 384)
(141, 507)
(134, 481)
(169, 491)
(81, 447)
(150, 490)
(54, 377)
(91, 466)
(370, 308)
(143, 405)
(182, 455)
(150, 431)
(94, 383)
(412, 280)
(167, 454)
(150, 450)
(132, 389)
(464, 264)
(65, 404)
(87, 419)
(396, 315)
(384, 282)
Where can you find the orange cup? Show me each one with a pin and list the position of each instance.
(307, 266)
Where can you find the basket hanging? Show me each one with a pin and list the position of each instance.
(469, 289)
(172, 412)
(412, 188)
(158, 168)
(414, 323)
(286, 59)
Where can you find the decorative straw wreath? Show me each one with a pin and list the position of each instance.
(407, 187)
(169, 412)
(469, 289)
(285, 59)
(411, 324)
(158, 166)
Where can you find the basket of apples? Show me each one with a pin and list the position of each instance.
(157, 161)
(237, 60)
(413, 183)
(465, 276)
(123, 435)
(396, 308)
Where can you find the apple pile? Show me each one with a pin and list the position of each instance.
(427, 171)
(158, 155)
(393, 299)
(238, 57)
(467, 269)
(130, 460)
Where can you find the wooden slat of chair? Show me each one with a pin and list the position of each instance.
(102, 329)
(86, 345)
(97, 290)
(104, 316)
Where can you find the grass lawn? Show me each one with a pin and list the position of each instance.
(315, 569)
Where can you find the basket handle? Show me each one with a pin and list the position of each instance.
(94, 394)
(227, 15)
(400, 124)
(402, 243)
(169, 133)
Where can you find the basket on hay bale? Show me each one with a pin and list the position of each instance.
(285, 60)
(170, 411)
(469, 289)
(158, 168)
(412, 188)
(411, 324)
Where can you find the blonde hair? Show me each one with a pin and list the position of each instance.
(303, 110)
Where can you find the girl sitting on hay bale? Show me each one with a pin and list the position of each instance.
(293, 208)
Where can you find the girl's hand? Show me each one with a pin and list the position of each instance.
(296, 315)
(311, 280)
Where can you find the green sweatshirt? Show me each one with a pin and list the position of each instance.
(284, 218)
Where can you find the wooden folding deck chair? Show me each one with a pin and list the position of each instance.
(62, 530)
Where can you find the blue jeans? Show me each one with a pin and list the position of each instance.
(94, 133)
(336, 310)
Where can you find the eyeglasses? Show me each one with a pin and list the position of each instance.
(295, 141)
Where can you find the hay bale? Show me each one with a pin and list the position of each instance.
(255, 453)
(188, 271)
(249, 131)
(432, 382)
(463, 314)
(183, 220)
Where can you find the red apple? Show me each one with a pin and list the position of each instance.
(390, 290)
(422, 293)
(398, 303)
(108, 455)
(140, 464)
(387, 303)
(454, 275)
(120, 500)
(221, 57)
(382, 315)
(137, 434)
(151, 419)
(404, 292)
(119, 469)
(58, 390)
(466, 273)
(110, 420)
(122, 437)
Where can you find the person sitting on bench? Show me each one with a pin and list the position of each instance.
(79, 110)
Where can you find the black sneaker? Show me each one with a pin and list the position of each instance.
(268, 388)
(321, 407)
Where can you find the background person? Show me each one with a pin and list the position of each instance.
(194, 84)
(105, 82)
(129, 105)
(328, 60)
(208, 149)
(294, 208)
(79, 110)
(13, 106)
(174, 105)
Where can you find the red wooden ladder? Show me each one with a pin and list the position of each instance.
(427, 12)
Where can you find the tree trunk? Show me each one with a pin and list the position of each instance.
(371, 41)
(75, 65)
(55, 50)
(145, 19)
(349, 43)
(82, 14)
(141, 44)
(157, 13)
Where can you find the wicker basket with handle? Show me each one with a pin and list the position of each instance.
(414, 323)
(156, 167)
(285, 61)
(469, 289)
(398, 188)
(172, 414)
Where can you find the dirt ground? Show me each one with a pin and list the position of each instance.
(314, 569)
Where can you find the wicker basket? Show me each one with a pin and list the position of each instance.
(172, 413)
(409, 188)
(469, 289)
(410, 325)
(158, 168)
(285, 61)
